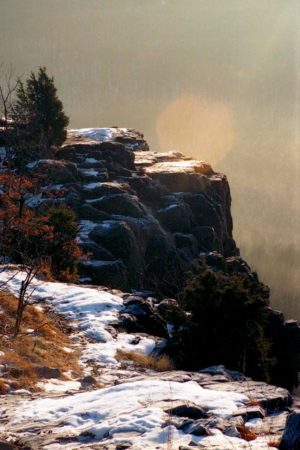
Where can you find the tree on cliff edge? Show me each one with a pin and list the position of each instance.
(39, 113)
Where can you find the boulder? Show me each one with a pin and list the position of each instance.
(120, 204)
(181, 181)
(206, 212)
(206, 238)
(88, 381)
(250, 412)
(291, 436)
(98, 252)
(97, 190)
(148, 321)
(106, 273)
(47, 372)
(187, 242)
(197, 428)
(8, 446)
(129, 323)
(191, 411)
(87, 212)
(56, 171)
(176, 217)
(170, 311)
(119, 239)
(131, 144)
(117, 153)
(147, 189)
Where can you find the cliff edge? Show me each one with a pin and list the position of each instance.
(144, 216)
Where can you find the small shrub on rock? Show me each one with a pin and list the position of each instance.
(63, 249)
(225, 323)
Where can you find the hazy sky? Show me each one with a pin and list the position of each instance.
(215, 79)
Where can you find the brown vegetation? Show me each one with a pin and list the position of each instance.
(275, 443)
(158, 363)
(246, 434)
(253, 402)
(40, 343)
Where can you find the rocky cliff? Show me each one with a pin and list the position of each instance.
(120, 401)
(144, 216)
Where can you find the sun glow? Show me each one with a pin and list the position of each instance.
(196, 126)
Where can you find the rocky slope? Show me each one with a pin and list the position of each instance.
(119, 405)
(144, 216)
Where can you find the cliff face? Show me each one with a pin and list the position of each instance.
(144, 216)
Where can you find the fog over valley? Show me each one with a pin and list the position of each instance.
(216, 80)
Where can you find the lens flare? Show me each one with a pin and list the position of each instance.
(196, 126)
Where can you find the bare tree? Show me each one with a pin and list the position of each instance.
(25, 292)
(8, 88)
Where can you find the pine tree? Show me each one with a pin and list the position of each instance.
(39, 113)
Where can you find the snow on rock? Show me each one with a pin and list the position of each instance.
(135, 411)
(89, 172)
(91, 310)
(2, 156)
(109, 414)
(54, 385)
(85, 227)
(34, 200)
(179, 166)
(105, 134)
(89, 186)
(96, 134)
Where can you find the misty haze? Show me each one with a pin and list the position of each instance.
(216, 80)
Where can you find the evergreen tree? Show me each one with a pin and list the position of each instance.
(226, 324)
(63, 249)
(39, 113)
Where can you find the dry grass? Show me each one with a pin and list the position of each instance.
(158, 363)
(275, 443)
(30, 350)
(246, 434)
(253, 402)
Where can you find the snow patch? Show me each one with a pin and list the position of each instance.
(89, 186)
(97, 134)
(128, 408)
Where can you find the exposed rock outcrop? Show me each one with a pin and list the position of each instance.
(144, 216)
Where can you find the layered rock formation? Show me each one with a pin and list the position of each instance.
(118, 403)
(144, 216)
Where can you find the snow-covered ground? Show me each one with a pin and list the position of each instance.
(130, 412)
(97, 134)
(107, 414)
(90, 310)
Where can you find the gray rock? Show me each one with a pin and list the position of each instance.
(88, 212)
(186, 243)
(108, 273)
(197, 428)
(250, 412)
(192, 412)
(56, 171)
(120, 204)
(176, 217)
(206, 238)
(7, 446)
(98, 252)
(291, 436)
(88, 381)
(47, 372)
